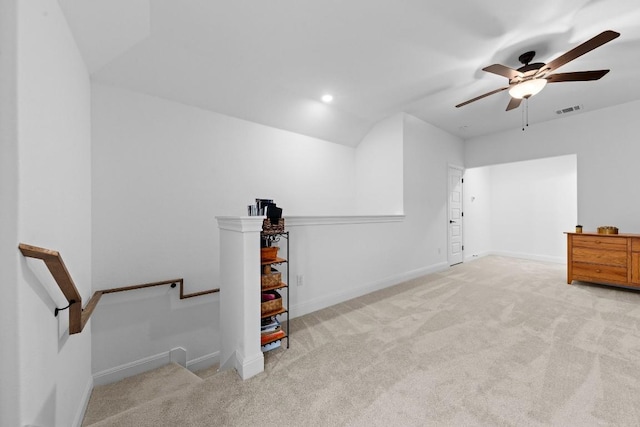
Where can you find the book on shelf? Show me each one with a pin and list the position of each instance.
(265, 207)
(271, 331)
(269, 324)
(260, 207)
(272, 336)
(263, 204)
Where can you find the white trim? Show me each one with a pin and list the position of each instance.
(473, 257)
(448, 225)
(336, 298)
(203, 362)
(298, 221)
(84, 403)
(248, 367)
(254, 223)
(130, 369)
(178, 355)
(243, 224)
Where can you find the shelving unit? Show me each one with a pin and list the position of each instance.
(282, 286)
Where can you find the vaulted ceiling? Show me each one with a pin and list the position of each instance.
(270, 61)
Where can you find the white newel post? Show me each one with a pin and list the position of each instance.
(240, 295)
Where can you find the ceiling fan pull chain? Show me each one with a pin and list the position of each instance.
(522, 115)
(527, 104)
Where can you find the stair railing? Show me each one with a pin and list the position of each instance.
(78, 317)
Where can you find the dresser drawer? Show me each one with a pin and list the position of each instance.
(635, 245)
(599, 256)
(599, 273)
(600, 242)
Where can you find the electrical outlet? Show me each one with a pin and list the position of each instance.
(300, 279)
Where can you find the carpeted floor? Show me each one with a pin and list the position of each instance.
(132, 392)
(497, 341)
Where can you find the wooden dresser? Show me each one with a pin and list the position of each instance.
(612, 259)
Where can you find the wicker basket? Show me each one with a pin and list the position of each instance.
(271, 279)
(269, 254)
(271, 306)
(270, 228)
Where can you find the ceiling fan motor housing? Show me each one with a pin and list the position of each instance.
(527, 57)
(527, 69)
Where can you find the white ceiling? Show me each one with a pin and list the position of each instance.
(271, 61)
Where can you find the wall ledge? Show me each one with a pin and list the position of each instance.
(242, 224)
(245, 224)
(298, 221)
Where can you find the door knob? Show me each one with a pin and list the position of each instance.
(451, 221)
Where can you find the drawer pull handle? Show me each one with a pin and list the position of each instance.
(597, 242)
(598, 270)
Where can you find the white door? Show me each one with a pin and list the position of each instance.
(455, 251)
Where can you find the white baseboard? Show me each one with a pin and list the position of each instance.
(306, 307)
(136, 367)
(178, 355)
(84, 403)
(473, 257)
(248, 367)
(244, 367)
(204, 362)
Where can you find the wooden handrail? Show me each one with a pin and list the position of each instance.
(54, 263)
(78, 317)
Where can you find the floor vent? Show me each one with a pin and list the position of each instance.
(569, 109)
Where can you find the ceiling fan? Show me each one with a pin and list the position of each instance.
(530, 79)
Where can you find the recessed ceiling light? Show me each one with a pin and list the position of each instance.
(327, 98)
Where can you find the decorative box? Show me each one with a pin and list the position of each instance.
(268, 227)
(607, 229)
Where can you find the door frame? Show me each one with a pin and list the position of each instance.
(461, 169)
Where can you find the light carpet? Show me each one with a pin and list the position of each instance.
(137, 390)
(497, 341)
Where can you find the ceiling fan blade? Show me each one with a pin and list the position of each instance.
(578, 76)
(503, 70)
(482, 96)
(589, 45)
(514, 103)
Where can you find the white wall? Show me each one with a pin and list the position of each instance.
(162, 172)
(428, 153)
(606, 146)
(343, 261)
(533, 204)
(524, 206)
(54, 211)
(477, 209)
(10, 389)
(379, 164)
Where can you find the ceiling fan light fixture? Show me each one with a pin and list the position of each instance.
(527, 88)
